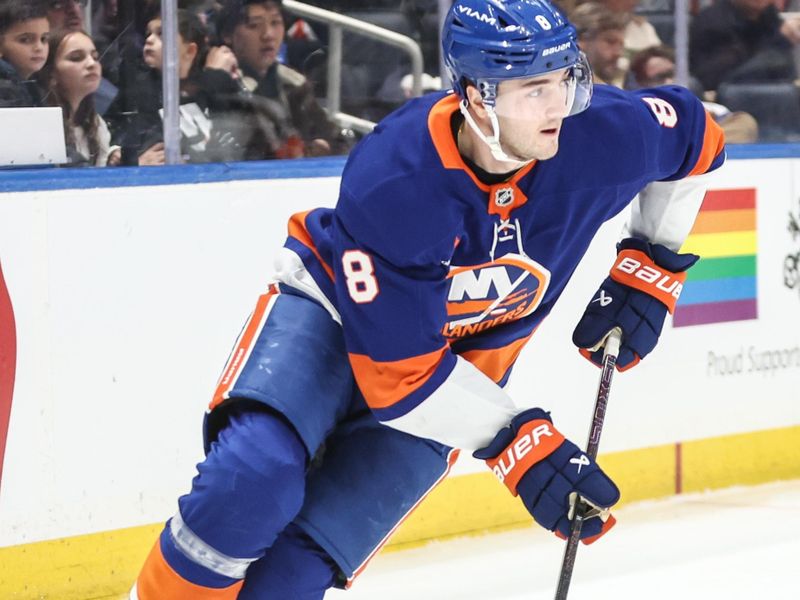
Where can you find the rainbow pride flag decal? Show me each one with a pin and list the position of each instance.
(721, 287)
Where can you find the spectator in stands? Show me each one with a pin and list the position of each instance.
(70, 15)
(653, 66)
(601, 35)
(255, 30)
(742, 40)
(207, 81)
(106, 29)
(639, 33)
(656, 66)
(70, 77)
(66, 14)
(24, 30)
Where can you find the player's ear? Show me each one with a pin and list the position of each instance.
(475, 102)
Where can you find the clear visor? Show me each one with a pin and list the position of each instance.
(548, 96)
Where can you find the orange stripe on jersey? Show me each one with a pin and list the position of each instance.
(452, 457)
(494, 363)
(467, 306)
(442, 136)
(470, 306)
(244, 346)
(386, 383)
(298, 230)
(158, 581)
(713, 142)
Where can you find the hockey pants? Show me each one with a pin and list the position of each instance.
(259, 523)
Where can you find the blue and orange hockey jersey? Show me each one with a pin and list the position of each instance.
(439, 280)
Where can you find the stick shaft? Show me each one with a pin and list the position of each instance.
(603, 391)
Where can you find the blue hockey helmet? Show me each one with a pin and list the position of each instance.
(487, 41)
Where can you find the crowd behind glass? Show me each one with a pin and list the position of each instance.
(253, 76)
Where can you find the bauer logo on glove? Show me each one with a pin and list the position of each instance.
(643, 285)
(547, 471)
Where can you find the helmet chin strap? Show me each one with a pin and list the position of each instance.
(493, 141)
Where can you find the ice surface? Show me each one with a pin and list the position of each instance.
(734, 544)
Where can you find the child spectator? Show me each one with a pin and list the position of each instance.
(71, 75)
(207, 81)
(24, 30)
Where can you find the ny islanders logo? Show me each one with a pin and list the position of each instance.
(488, 295)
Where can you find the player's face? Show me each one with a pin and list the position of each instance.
(530, 112)
(256, 41)
(24, 45)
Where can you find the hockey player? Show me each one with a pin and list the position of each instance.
(395, 319)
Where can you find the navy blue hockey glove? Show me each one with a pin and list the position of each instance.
(547, 471)
(643, 285)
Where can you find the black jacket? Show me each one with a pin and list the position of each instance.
(725, 46)
(14, 92)
(137, 122)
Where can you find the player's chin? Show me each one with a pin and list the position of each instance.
(547, 150)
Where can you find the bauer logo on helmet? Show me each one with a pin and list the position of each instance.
(554, 49)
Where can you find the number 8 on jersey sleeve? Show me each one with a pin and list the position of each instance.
(359, 273)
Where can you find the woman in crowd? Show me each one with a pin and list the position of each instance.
(70, 77)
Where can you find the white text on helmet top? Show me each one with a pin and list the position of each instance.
(477, 15)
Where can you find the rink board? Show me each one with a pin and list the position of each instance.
(128, 287)
(102, 565)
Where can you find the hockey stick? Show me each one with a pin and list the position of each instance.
(571, 551)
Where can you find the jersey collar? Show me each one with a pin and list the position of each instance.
(503, 197)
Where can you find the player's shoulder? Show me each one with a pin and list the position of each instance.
(399, 144)
(624, 136)
(394, 187)
(665, 106)
(397, 160)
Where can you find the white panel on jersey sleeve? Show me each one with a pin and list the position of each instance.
(466, 411)
(664, 211)
(290, 270)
